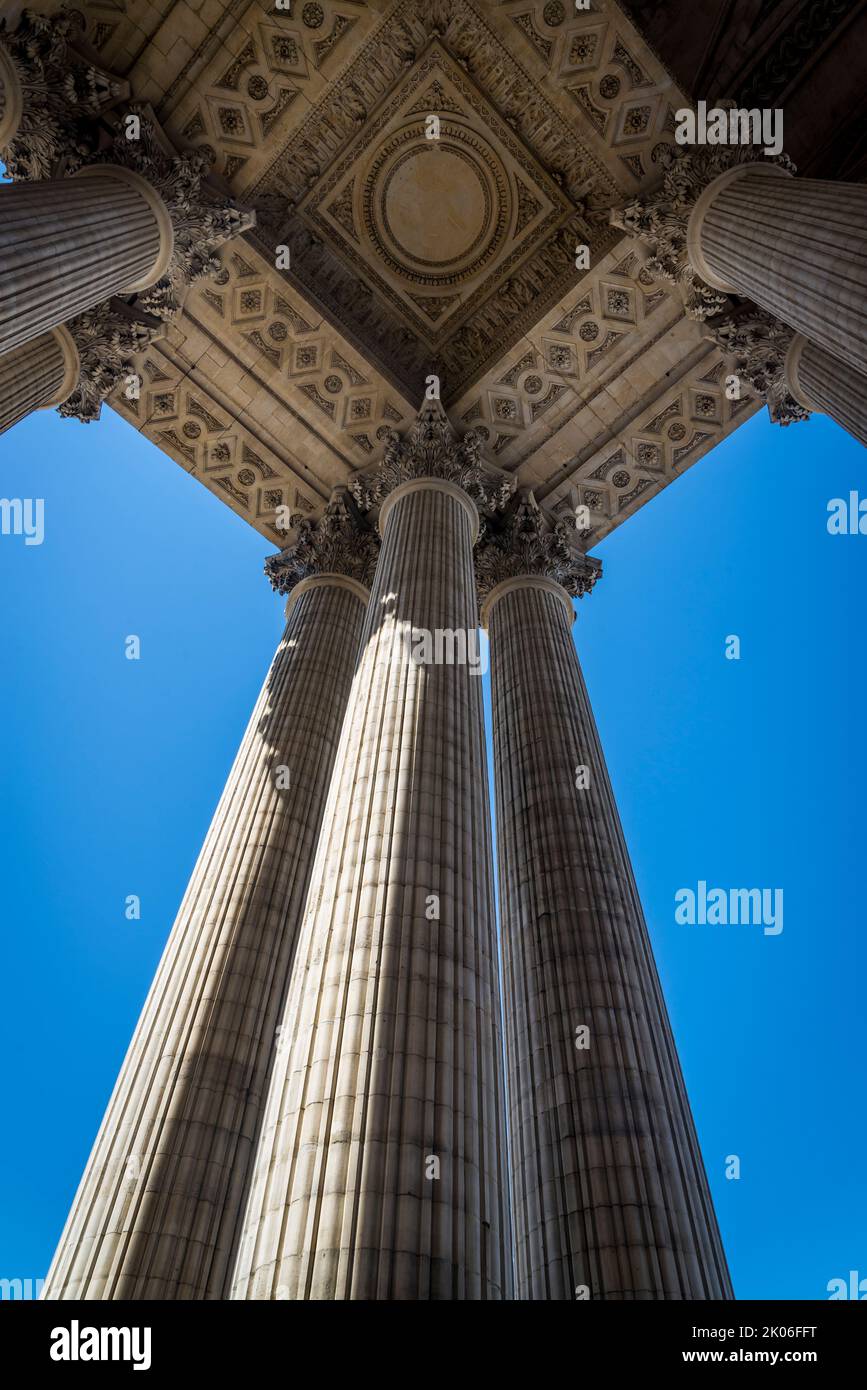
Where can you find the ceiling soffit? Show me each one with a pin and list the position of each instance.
(436, 255)
(272, 387)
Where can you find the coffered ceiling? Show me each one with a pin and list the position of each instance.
(409, 255)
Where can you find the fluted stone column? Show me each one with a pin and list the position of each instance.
(380, 1173)
(824, 383)
(610, 1199)
(66, 244)
(797, 247)
(725, 223)
(157, 1210)
(37, 375)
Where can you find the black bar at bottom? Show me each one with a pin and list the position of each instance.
(384, 1341)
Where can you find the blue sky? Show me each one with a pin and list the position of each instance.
(743, 773)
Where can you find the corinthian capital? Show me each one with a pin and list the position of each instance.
(527, 541)
(756, 344)
(432, 449)
(107, 338)
(203, 218)
(660, 219)
(58, 92)
(340, 542)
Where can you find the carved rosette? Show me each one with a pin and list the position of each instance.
(661, 219)
(527, 541)
(432, 449)
(756, 343)
(340, 542)
(62, 92)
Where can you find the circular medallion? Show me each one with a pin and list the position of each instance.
(436, 210)
(435, 206)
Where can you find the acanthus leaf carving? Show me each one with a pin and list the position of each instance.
(202, 218)
(660, 219)
(62, 93)
(524, 541)
(340, 542)
(756, 343)
(107, 337)
(432, 449)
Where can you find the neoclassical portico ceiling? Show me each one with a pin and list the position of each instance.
(411, 256)
(436, 253)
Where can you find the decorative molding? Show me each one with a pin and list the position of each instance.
(793, 50)
(559, 178)
(306, 362)
(206, 433)
(616, 314)
(624, 467)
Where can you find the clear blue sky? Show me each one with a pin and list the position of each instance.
(744, 774)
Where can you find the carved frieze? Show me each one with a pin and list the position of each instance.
(432, 250)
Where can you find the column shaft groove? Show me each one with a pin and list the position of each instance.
(67, 244)
(394, 1051)
(834, 387)
(35, 375)
(157, 1211)
(797, 247)
(608, 1183)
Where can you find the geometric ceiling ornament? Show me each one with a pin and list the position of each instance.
(436, 254)
(412, 256)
